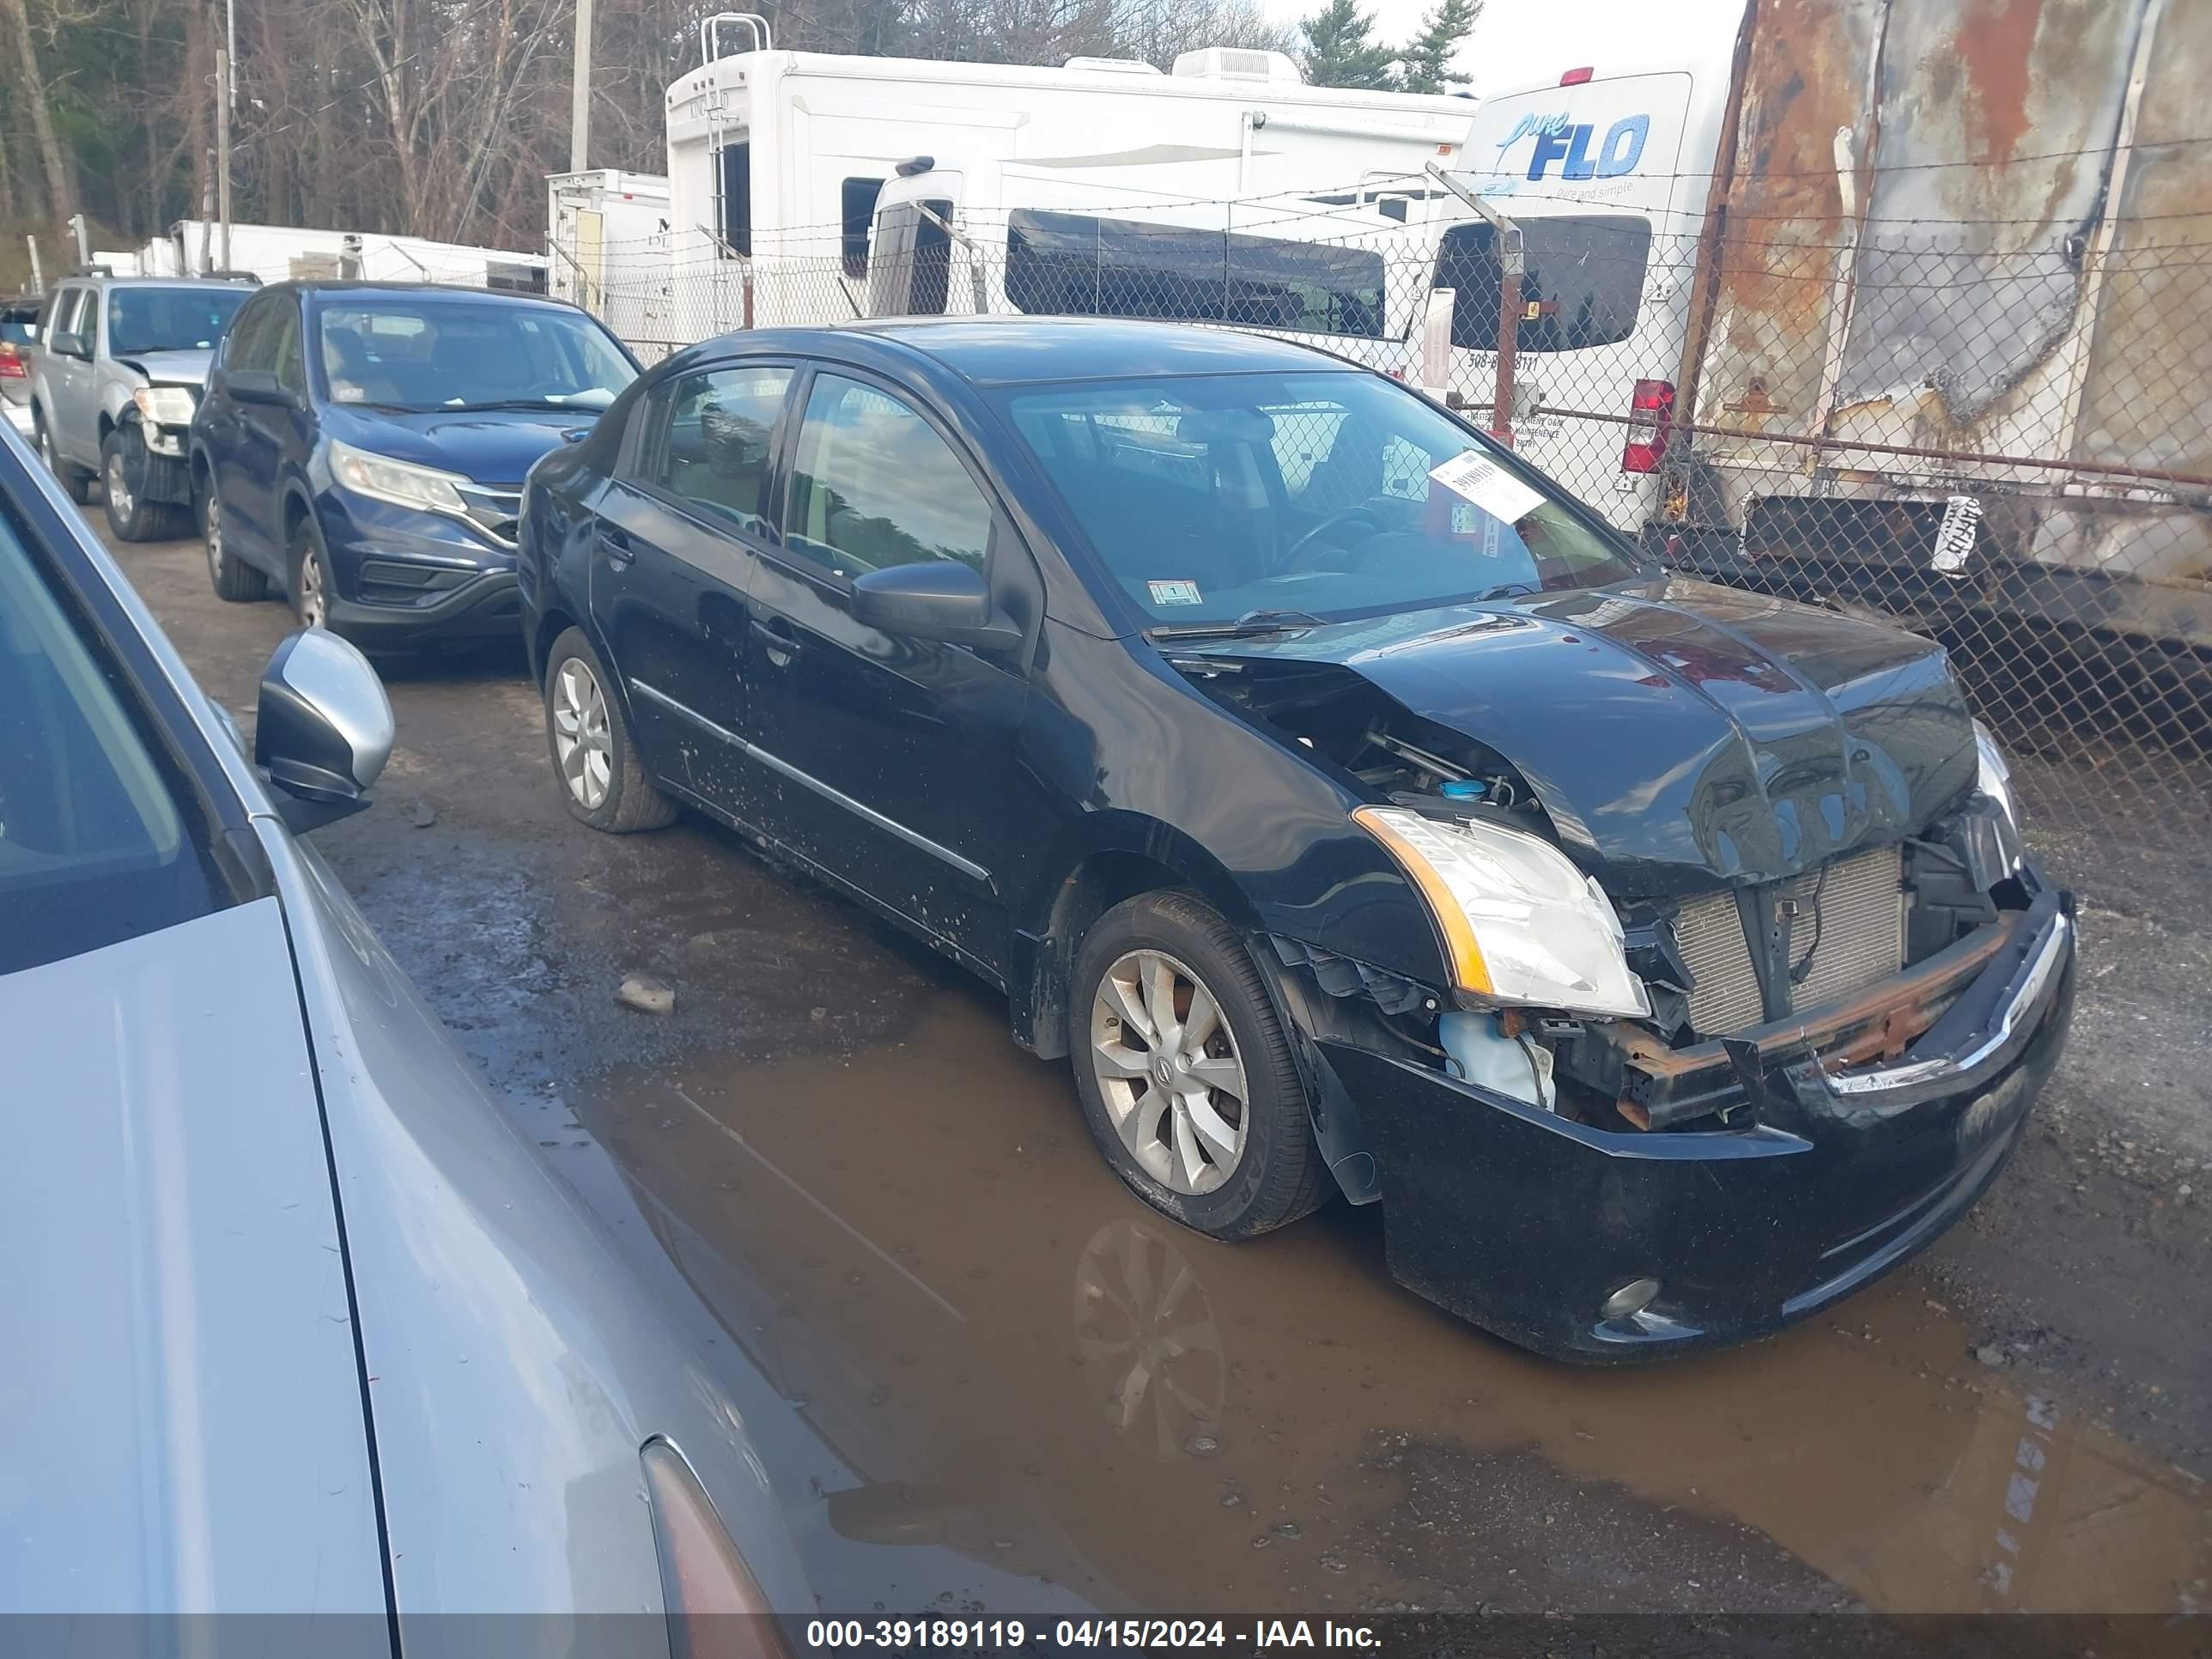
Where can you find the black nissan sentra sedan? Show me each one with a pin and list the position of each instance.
(1356, 811)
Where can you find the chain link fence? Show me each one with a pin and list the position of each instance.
(2001, 440)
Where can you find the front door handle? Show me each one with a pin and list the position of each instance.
(616, 543)
(777, 639)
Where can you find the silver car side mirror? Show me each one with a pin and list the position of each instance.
(324, 730)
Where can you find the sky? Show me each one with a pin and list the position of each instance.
(1519, 42)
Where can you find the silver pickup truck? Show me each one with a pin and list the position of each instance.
(116, 375)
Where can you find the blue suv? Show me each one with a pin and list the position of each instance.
(362, 446)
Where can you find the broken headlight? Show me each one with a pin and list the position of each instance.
(1520, 923)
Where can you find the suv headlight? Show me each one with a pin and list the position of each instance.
(402, 482)
(1520, 923)
(164, 405)
(1995, 779)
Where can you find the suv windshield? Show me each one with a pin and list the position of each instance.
(142, 320)
(1332, 496)
(404, 352)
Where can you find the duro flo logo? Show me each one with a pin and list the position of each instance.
(1560, 138)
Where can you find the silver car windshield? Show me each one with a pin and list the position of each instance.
(1335, 495)
(403, 353)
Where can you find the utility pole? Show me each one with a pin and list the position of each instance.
(38, 277)
(222, 152)
(580, 93)
(83, 240)
(230, 43)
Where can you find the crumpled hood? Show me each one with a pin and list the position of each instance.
(170, 367)
(1675, 730)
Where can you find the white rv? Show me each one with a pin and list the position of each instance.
(775, 158)
(607, 244)
(1015, 238)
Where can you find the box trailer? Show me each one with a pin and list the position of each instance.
(607, 248)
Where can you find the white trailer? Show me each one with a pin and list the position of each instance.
(277, 253)
(776, 159)
(606, 233)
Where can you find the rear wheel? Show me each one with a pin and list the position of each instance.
(235, 581)
(75, 481)
(602, 782)
(1185, 1077)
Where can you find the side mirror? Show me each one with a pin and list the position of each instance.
(939, 600)
(325, 729)
(71, 344)
(258, 386)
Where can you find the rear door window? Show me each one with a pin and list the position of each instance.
(1582, 285)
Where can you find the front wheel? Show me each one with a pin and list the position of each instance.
(123, 469)
(602, 782)
(311, 587)
(234, 579)
(1185, 1075)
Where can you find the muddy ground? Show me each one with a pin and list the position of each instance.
(1032, 1393)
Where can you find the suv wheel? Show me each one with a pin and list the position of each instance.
(311, 588)
(1186, 1079)
(75, 483)
(602, 784)
(123, 469)
(234, 579)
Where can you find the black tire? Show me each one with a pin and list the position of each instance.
(1279, 1175)
(75, 481)
(231, 577)
(631, 802)
(307, 580)
(130, 515)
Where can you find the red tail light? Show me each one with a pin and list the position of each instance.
(1650, 411)
(12, 365)
(1574, 77)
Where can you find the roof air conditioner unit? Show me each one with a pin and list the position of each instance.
(1238, 64)
(1112, 65)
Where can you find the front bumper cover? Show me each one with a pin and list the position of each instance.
(1525, 1223)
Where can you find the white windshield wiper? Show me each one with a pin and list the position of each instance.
(1252, 625)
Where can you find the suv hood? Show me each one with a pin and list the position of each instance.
(169, 367)
(494, 446)
(1676, 731)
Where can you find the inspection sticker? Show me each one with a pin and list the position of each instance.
(1488, 486)
(1174, 594)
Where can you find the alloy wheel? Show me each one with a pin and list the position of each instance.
(118, 483)
(580, 738)
(1168, 1071)
(314, 596)
(214, 534)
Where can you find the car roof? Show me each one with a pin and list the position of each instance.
(998, 352)
(342, 285)
(97, 281)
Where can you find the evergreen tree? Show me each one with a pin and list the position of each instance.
(1425, 63)
(1341, 52)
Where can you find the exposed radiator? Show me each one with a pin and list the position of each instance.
(1858, 941)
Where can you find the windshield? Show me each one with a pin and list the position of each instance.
(407, 353)
(93, 847)
(1334, 495)
(170, 319)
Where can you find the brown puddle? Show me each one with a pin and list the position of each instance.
(1021, 1363)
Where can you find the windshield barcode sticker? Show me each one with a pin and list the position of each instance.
(1174, 594)
(1488, 486)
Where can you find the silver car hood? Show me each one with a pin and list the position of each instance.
(171, 367)
(181, 1420)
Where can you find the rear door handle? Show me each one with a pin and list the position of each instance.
(616, 543)
(777, 639)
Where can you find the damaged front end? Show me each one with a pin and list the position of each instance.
(1655, 1107)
